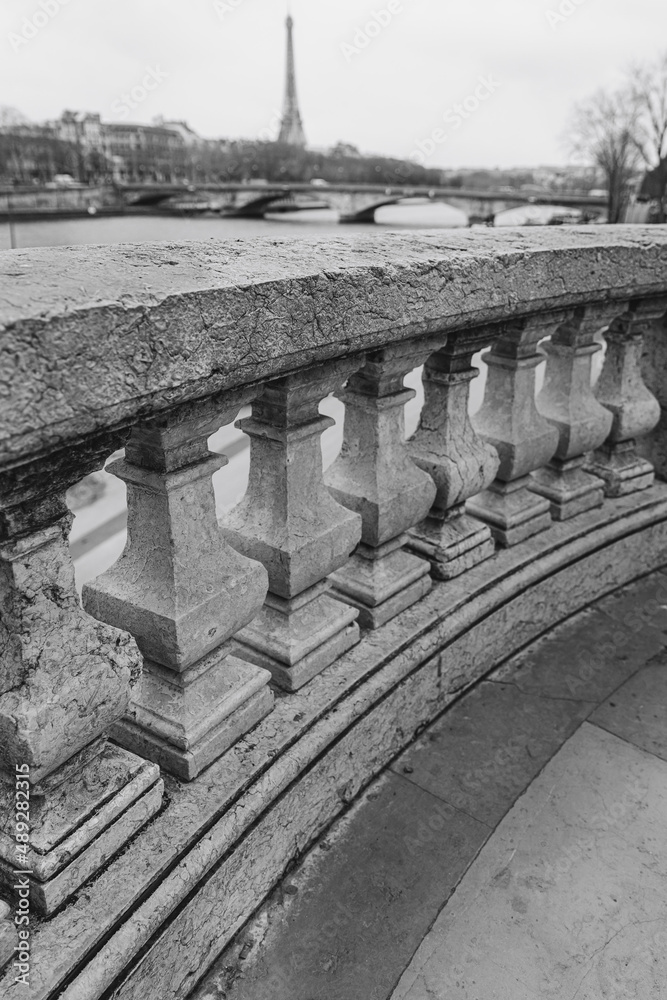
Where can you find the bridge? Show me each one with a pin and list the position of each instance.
(232, 683)
(353, 202)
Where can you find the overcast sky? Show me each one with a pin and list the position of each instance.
(219, 64)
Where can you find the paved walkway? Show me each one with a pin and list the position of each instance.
(517, 850)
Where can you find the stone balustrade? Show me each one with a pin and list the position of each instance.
(318, 581)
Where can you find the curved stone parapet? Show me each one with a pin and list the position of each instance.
(301, 587)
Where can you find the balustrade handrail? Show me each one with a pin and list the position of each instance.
(93, 339)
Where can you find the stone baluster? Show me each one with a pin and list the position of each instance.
(290, 522)
(66, 679)
(460, 462)
(654, 369)
(567, 399)
(634, 408)
(183, 592)
(375, 477)
(510, 421)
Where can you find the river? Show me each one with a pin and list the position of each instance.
(149, 228)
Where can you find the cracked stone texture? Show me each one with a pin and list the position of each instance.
(509, 420)
(374, 474)
(568, 401)
(178, 587)
(182, 592)
(654, 364)
(66, 678)
(8, 934)
(460, 462)
(287, 519)
(566, 899)
(567, 398)
(180, 321)
(622, 390)
(445, 444)
(623, 632)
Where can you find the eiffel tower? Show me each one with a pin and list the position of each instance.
(291, 128)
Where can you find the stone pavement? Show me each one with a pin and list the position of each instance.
(518, 849)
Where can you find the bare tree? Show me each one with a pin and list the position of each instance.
(605, 130)
(648, 86)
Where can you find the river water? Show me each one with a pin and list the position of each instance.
(149, 228)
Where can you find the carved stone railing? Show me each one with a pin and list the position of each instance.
(350, 593)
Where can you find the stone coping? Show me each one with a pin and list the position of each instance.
(94, 338)
(452, 637)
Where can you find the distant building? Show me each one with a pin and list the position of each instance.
(82, 129)
(291, 127)
(144, 152)
(188, 135)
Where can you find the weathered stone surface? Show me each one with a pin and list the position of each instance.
(636, 711)
(375, 476)
(654, 365)
(186, 721)
(512, 510)
(568, 401)
(66, 815)
(50, 645)
(363, 904)
(289, 522)
(48, 895)
(484, 752)
(176, 961)
(182, 592)
(66, 680)
(567, 897)
(510, 421)
(507, 602)
(582, 660)
(414, 584)
(9, 936)
(460, 462)
(635, 409)
(181, 322)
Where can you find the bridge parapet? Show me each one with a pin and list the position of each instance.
(354, 202)
(367, 598)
